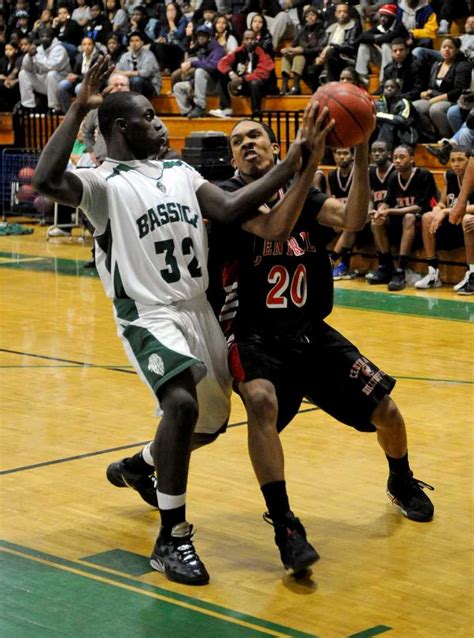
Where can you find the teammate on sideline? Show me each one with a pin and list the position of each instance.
(458, 216)
(281, 349)
(339, 184)
(152, 261)
(439, 233)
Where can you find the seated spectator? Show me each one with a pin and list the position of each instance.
(45, 20)
(246, 71)
(42, 69)
(438, 232)
(191, 94)
(10, 65)
(411, 192)
(448, 11)
(141, 67)
(340, 44)
(279, 22)
(141, 21)
(405, 69)
(464, 136)
(118, 18)
(236, 10)
(420, 20)
(259, 26)
(20, 25)
(82, 63)
(223, 34)
(206, 14)
(374, 44)
(396, 117)
(448, 79)
(98, 28)
(171, 42)
(81, 13)
(350, 75)
(67, 31)
(114, 48)
(427, 56)
(327, 8)
(306, 46)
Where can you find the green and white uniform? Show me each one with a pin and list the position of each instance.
(151, 255)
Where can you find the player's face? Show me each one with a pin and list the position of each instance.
(252, 152)
(142, 129)
(380, 154)
(343, 157)
(402, 160)
(458, 162)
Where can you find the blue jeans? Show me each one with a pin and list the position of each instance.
(456, 117)
(426, 57)
(465, 136)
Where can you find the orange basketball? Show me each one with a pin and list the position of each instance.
(351, 108)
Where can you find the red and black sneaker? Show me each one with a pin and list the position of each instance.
(295, 551)
(406, 493)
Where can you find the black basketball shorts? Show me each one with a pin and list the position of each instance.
(324, 368)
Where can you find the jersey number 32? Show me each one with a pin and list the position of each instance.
(171, 273)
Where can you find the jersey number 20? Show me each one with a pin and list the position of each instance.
(298, 291)
(171, 273)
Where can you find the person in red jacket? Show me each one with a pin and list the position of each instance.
(246, 71)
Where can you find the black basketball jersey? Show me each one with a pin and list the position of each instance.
(419, 189)
(379, 185)
(453, 188)
(281, 287)
(339, 185)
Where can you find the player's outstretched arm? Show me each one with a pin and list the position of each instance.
(51, 177)
(459, 209)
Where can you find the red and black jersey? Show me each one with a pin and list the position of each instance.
(282, 287)
(339, 185)
(378, 184)
(453, 188)
(419, 189)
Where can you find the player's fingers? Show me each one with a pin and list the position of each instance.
(329, 126)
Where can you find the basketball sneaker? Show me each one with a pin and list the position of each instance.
(380, 276)
(341, 271)
(430, 280)
(398, 281)
(467, 287)
(119, 475)
(295, 551)
(176, 558)
(406, 493)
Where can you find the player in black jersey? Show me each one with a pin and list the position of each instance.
(380, 172)
(438, 232)
(458, 215)
(411, 192)
(339, 184)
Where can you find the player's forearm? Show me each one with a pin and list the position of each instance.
(359, 195)
(405, 210)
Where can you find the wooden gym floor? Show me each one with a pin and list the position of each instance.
(75, 549)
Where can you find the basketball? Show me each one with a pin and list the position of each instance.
(351, 108)
(43, 205)
(26, 174)
(26, 193)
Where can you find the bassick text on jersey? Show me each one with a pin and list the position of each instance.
(165, 214)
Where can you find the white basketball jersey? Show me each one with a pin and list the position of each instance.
(151, 241)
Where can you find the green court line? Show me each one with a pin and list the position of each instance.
(50, 586)
(373, 631)
(451, 310)
(122, 561)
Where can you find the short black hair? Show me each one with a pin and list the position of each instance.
(268, 130)
(115, 106)
(399, 41)
(461, 149)
(386, 144)
(410, 150)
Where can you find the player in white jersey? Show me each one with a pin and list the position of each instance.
(152, 262)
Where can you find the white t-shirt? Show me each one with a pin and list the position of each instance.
(151, 241)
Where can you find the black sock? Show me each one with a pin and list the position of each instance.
(399, 466)
(276, 499)
(433, 262)
(170, 518)
(403, 262)
(138, 465)
(385, 260)
(334, 256)
(346, 257)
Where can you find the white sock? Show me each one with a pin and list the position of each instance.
(146, 454)
(471, 267)
(170, 501)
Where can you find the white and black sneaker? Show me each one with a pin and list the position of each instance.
(466, 285)
(430, 280)
(177, 559)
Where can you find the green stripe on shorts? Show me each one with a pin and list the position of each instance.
(158, 363)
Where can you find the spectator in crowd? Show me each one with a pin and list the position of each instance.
(81, 13)
(141, 67)
(279, 22)
(396, 117)
(117, 17)
(236, 11)
(350, 75)
(411, 192)
(340, 44)
(448, 11)
(45, 20)
(98, 27)
(339, 184)
(67, 31)
(305, 47)
(20, 25)
(141, 21)
(405, 69)
(448, 79)
(259, 26)
(464, 135)
(42, 69)
(246, 71)
(420, 20)
(114, 48)
(438, 232)
(223, 34)
(428, 56)
(82, 62)
(206, 15)
(327, 8)
(171, 42)
(374, 44)
(191, 94)
(10, 65)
